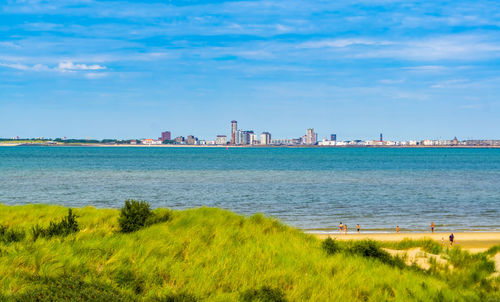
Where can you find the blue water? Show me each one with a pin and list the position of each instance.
(310, 188)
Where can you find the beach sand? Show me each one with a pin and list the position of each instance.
(472, 241)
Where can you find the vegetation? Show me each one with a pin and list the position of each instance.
(8, 235)
(65, 227)
(211, 254)
(428, 245)
(137, 214)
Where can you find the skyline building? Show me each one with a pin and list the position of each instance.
(254, 139)
(191, 140)
(239, 138)
(381, 139)
(166, 136)
(221, 140)
(234, 128)
(333, 137)
(265, 138)
(310, 138)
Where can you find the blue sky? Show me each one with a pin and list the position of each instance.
(127, 69)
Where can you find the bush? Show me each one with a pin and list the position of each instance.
(330, 246)
(65, 227)
(134, 215)
(10, 235)
(137, 214)
(263, 294)
(370, 249)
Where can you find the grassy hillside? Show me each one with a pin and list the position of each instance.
(207, 254)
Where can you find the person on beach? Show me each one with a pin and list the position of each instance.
(432, 226)
(397, 229)
(345, 229)
(357, 227)
(341, 227)
(452, 239)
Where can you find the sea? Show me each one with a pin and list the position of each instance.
(313, 189)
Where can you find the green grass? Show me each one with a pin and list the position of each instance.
(428, 245)
(212, 255)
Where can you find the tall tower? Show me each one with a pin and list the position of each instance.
(311, 137)
(381, 140)
(234, 127)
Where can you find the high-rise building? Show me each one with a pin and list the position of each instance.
(254, 139)
(381, 139)
(248, 137)
(191, 140)
(234, 128)
(333, 137)
(166, 136)
(239, 137)
(311, 137)
(265, 138)
(221, 140)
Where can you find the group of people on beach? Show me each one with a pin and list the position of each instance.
(343, 228)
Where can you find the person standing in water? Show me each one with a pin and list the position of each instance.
(341, 227)
(357, 227)
(432, 226)
(452, 239)
(345, 229)
(397, 229)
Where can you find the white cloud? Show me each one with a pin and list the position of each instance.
(450, 47)
(340, 43)
(70, 66)
(36, 67)
(65, 66)
(426, 68)
(457, 83)
(391, 81)
(95, 75)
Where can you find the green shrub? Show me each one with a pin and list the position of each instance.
(66, 226)
(263, 294)
(37, 231)
(371, 249)
(8, 235)
(137, 214)
(134, 215)
(330, 246)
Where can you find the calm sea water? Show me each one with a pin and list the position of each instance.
(310, 188)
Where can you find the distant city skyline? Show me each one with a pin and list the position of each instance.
(116, 69)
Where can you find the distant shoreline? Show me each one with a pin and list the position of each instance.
(473, 241)
(248, 146)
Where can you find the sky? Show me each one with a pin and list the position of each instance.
(131, 69)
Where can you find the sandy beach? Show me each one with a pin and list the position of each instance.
(472, 241)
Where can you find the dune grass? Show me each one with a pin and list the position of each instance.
(208, 254)
(428, 245)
